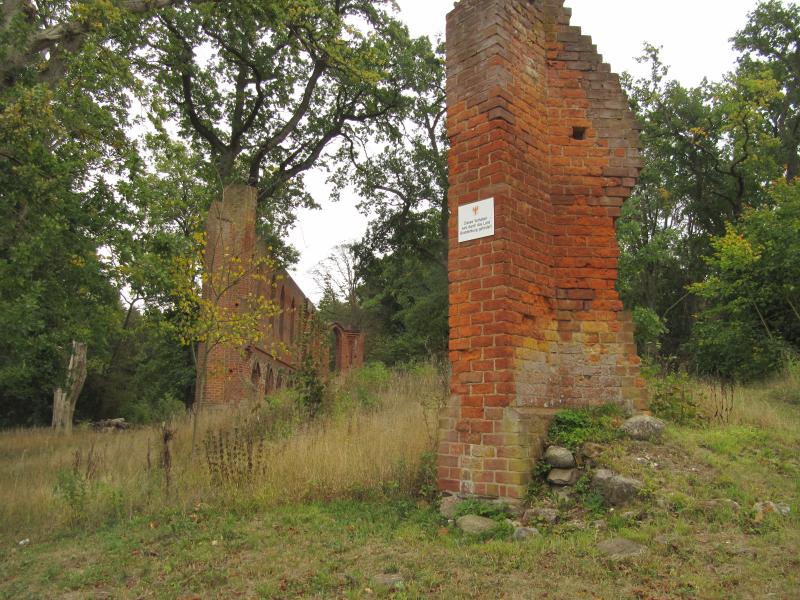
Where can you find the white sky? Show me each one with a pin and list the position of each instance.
(695, 38)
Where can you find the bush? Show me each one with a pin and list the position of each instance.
(362, 387)
(163, 409)
(277, 418)
(786, 388)
(426, 485)
(723, 347)
(310, 386)
(672, 397)
(649, 329)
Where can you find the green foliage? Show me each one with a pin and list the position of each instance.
(72, 488)
(734, 350)
(57, 147)
(148, 379)
(649, 329)
(362, 387)
(278, 417)
(708, 152)
(490, 510)
(405, 305)
(672, 396)
(769, 48)
(538, 482)
(164, 409)
(752, 315)
(279, 83)
(590, 498)
(308, 383)
(401, 262)
(574, 427)
(426, 483)
(310, 386)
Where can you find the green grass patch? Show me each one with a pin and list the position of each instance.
(574, 427)
(490, 510)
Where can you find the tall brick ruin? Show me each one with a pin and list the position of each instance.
(240, 274)
(540, 124)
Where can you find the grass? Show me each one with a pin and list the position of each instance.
(49, 482)
(334, 509)
(573, 427)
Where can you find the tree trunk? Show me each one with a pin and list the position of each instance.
(65, 399)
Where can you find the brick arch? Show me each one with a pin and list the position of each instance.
(348, 349)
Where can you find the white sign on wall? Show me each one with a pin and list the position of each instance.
(476, 220)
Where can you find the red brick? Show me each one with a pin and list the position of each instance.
(544, 282)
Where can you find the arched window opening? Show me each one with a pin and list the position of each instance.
(337, 348)
(255, 375)
(270, 381)
(282, 315)
(292, 319)
(273, 287)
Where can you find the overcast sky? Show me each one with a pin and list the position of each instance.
(694, 35)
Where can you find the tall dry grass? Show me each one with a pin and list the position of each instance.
(773, 404)
(50, 481)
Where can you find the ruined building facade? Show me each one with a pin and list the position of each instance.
(240, 277)
(540, 124)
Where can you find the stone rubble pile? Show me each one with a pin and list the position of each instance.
(564, 470)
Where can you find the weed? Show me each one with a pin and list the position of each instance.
(166, 458)
(590, 498)
(234, 457)
(574, 427)
(490, 510)
(722, 400)
(363, 387)
(74, 486)
(425, 484)
(672, 397)
(537, 484)
(73, 489)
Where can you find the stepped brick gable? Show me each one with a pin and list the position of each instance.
(540, 124)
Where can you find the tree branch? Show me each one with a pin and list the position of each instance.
(187, 87)
(290, 126)
(72, 32)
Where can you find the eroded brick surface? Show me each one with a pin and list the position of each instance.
(539, 123)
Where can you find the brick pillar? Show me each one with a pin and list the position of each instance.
(538, 123)
(230, 236)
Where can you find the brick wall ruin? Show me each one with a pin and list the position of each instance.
(540, 124)
(348, 347)
(240, 273)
